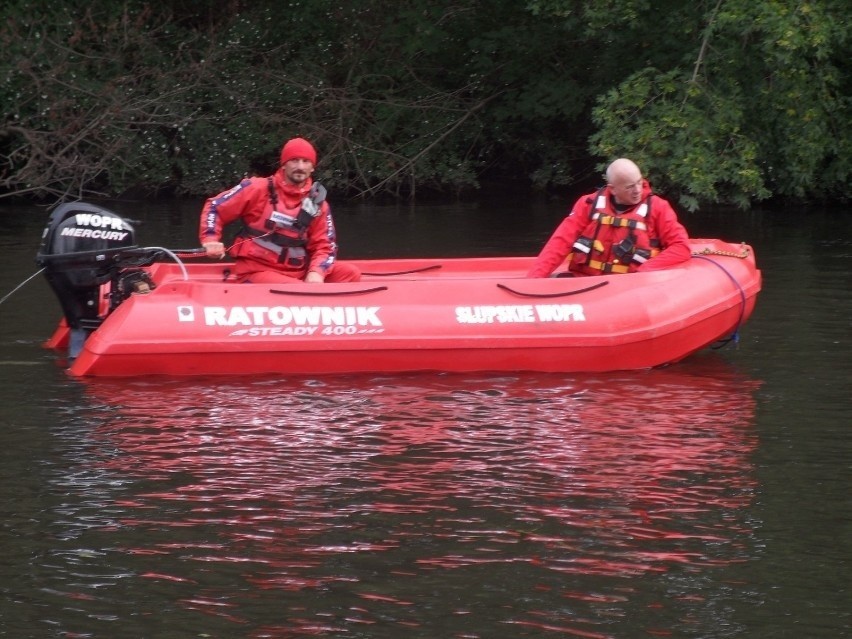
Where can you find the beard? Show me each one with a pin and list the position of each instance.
(297, 176)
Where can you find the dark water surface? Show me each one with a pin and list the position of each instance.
(709, 499)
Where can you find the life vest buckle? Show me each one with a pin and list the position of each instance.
(583, 245)
(624, 249)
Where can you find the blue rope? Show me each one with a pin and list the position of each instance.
(735, 337)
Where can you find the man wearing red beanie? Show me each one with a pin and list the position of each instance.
(288, 231)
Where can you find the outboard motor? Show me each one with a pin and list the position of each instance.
(83, 247)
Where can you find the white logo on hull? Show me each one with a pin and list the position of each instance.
(292, 315)
(519, 314)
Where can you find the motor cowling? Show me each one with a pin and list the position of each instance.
(83, 246)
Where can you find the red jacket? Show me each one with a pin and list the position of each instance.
(251, 203)
(663, 229)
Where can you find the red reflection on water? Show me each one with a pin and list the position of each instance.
(319, 485)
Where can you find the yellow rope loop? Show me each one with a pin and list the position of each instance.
(744, 252)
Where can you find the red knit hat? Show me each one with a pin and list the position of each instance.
(298, 148)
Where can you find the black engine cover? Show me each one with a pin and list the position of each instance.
(82, 247)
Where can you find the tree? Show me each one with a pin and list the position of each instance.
(728, 101)
(759, 107)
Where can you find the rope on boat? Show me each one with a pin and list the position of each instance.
(21, 285)
(422, 269)
(186, 253)
(744, 252)
(563, 294)
(174, 255)
(735, 337)
(375, 289)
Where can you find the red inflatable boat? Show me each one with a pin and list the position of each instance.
(477, 314)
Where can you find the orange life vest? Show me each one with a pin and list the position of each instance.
(615, 242)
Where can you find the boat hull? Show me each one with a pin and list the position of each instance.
(456, 315)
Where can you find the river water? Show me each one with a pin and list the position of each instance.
(708, 499)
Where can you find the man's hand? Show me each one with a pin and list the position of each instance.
(214, 249)
(314, 278)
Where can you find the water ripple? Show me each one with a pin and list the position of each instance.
(407, 504)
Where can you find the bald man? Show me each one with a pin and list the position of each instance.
(621, 228)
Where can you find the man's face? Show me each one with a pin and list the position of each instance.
(297, 170)
(627, 188)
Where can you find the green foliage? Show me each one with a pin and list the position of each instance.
(719, 101)
(91, 109)
(689, 141)
(763, 111)
(804, 117)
